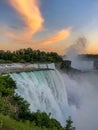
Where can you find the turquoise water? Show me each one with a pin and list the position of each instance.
(45, 91)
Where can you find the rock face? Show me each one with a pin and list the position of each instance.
(66, 67)
(19, 67)
(63, 65)
(96, 64)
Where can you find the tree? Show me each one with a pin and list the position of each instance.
(28, 55)
(69, 125)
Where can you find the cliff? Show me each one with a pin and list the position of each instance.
(19, 67)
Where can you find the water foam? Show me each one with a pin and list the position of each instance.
(45, 91)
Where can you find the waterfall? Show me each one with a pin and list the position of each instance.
(45, 91)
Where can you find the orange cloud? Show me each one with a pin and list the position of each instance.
(30, 14)
(59, 36)
(20, 38)
(23, 37)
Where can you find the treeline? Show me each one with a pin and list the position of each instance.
(89, 56)
(28, 55)
(15, 112)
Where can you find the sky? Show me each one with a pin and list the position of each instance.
(48, 25)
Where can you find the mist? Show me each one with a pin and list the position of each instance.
(72, 52)
(82, 93)
(82, 89)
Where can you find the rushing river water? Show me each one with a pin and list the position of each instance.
(61, 94)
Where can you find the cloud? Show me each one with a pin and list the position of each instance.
(23, 37)
(14, 27)
(20, 38)
(30, 15)
(59, 36)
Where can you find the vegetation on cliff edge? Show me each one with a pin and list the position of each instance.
(28, 55)
(16, 115)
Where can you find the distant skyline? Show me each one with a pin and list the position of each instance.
(48, 25)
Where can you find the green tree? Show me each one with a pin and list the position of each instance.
(69, 124)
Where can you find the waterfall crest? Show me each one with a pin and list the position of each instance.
(45, 91)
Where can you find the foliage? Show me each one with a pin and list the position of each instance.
(7, 123)
(16, 112)
(28, 55)
(69, 125)
(42, 119)
(10, 103)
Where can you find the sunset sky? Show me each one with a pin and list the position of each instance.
(49, 25)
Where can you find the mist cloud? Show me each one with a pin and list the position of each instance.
(73, 51)
(83, 89)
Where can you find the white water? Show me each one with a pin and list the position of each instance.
(45, 91)
(62, 95)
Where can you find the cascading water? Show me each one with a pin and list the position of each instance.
(45, 91)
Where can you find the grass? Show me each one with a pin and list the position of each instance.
(6, 123)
